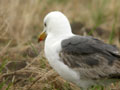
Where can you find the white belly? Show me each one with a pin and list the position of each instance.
(52, 55)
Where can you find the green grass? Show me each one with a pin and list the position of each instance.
(9, 85)
(34, 49)
(2, 84)
(42, 62)
(97, 88)
(3, 65)
(112, 34)
(57, 1)
(67, 86)
(98, 15)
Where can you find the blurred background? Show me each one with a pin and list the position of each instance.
(22, 62)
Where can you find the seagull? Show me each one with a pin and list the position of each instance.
(82, 60)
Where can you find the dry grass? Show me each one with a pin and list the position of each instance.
(22, 62)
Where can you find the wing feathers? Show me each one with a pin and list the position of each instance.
(91, 57)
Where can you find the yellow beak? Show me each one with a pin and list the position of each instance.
(42, 36)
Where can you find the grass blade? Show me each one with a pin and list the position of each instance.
(112, 35)
(3, 65)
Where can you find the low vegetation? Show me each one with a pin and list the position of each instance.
(22, 62)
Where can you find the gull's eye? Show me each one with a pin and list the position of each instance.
(45, 24)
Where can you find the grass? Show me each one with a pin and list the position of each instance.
(33, 48)
(2, 66)
(2, 84)
(9, 85)
(112, 35)
(20, 23)
(98, 15)
(97, 87)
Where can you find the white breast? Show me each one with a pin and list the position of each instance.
(52, 49)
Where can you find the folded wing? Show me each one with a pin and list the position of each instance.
(92, 58)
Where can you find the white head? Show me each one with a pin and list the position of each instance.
(56, 24)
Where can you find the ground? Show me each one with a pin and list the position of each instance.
(23, 65)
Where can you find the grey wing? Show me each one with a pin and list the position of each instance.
(92, 58)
